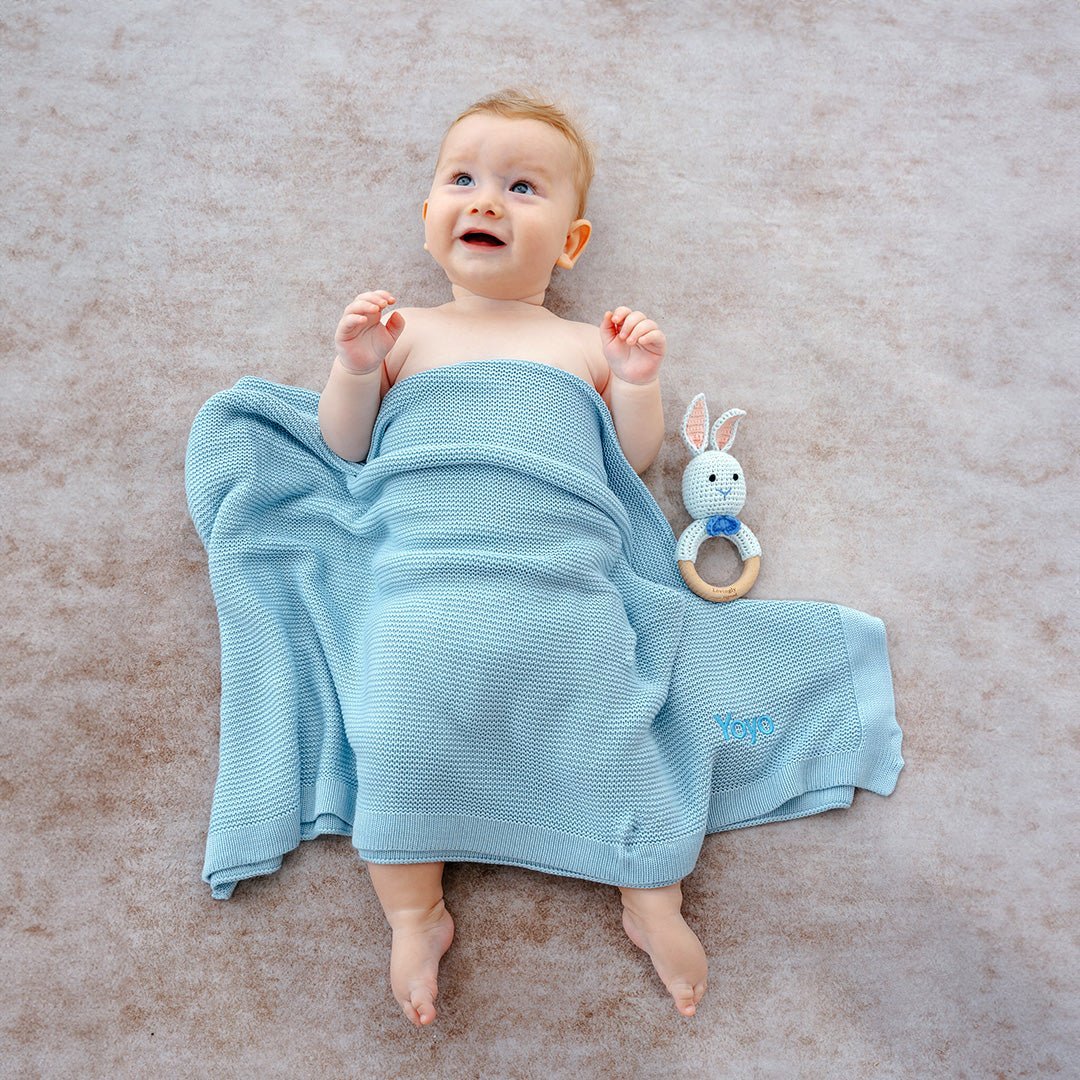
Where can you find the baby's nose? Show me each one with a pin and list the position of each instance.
(484, 203)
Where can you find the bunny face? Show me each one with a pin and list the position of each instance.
(713, 482)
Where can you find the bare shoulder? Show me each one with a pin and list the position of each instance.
(419, 320)
(414, 313)
(416, 319)
(593, 348)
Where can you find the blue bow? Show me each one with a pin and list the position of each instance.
(722, 525)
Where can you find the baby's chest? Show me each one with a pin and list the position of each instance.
(441, 343)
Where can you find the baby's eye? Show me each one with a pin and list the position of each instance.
(517, 183)
(458, 176)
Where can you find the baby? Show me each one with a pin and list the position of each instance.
(505, 208)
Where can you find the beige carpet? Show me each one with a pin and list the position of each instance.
(856, 221)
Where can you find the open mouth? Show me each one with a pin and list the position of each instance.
(482, 239)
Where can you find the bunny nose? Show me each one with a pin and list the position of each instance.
(725, 492)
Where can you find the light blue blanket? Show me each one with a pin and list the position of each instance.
(477, 646)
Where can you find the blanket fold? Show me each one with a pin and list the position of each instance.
(476, 645)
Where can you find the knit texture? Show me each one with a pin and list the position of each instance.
(477, 646)
(730, 528)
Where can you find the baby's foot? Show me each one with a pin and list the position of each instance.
(675, 952)
(417, 947)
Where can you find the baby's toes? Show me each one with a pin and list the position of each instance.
(686, 997)
(419, 1009)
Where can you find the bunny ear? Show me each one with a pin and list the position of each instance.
(723, 434)
(695, 425)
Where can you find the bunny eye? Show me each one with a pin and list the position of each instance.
(734, 476)
(712, 478)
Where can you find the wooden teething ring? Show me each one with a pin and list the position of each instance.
(720, 593)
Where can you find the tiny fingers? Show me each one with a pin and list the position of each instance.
(633, 323)
(617, 321)
(630, 326)
(371, 301)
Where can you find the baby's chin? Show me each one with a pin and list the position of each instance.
(495, 287)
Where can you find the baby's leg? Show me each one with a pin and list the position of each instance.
(412, 899)
(653, 921)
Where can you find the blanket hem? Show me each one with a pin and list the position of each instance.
(397, 838)
(236, 854)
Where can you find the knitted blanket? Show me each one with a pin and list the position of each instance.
(476, 645)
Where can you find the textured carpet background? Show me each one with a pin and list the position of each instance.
(856, 221)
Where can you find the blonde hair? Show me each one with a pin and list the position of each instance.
(529, 105)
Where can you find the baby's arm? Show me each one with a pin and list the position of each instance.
(638, 414)
(634, 348)
(350, 400)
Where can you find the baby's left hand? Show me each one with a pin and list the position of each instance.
(634, 346)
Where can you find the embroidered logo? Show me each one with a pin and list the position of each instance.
(731, 730)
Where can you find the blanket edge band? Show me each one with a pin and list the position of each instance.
(234, 855)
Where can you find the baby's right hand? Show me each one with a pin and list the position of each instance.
(362, 339)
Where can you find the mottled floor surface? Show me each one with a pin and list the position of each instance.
(856, 221)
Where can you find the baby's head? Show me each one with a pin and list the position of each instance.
(517, 105)
(518, 169)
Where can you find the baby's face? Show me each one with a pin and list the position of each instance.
(513, 180)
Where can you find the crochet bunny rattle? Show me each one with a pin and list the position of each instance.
(714, 490)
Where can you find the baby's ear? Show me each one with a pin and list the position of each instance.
(577, 237)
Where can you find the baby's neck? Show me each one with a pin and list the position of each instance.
(469, 303)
